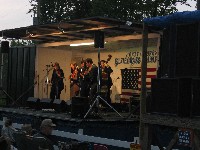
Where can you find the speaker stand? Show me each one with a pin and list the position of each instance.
(97, 102)
(33, 85)
(1, 79)
(1, 89)
(98, 92)
(131, 114)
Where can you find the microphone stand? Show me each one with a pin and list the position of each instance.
(47, 81)
(98, 92)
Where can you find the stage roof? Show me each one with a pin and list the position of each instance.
(75, 30)
(175, 18)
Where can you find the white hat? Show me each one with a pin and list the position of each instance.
(47, 122)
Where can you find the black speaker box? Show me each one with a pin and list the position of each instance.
(99, 39)
(46, 103)
(184, 97)
(171, 96)
(164, 96)
(33, 103)
(68, 105)
(4, 47)
(195, 110)
(59, 105)
(79, 106)
(187, 51)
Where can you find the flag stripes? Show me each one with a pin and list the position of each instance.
(151, 73)
(131, 82)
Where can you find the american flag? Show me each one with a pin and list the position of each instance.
(131, 82)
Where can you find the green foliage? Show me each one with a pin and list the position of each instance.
(133, 10)
(18, 42)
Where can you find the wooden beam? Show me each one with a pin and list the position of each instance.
(171, 121)
(143, 133)
(110, 39)
(75, 31)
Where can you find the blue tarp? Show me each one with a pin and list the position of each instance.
(175, 18)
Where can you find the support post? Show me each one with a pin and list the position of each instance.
(198, 4)
(196, 142)
(144, 129)
(173, 141)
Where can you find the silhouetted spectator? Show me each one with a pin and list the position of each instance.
(8, 131)
(44, 138)
(4, 143)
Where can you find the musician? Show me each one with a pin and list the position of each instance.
(83, 80)
(74, 82)
(74, 73)
(92, 74)
(57, 82)
(106, 81)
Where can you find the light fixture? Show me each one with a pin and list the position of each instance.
(82, 44)
(60, 29)
(29, 34)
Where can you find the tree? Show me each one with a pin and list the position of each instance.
(60, 10)
(129, 10)
(17, 42)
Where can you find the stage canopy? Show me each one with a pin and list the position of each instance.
(75, 30)
(175, 18)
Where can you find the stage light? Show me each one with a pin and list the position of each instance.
(82, 44)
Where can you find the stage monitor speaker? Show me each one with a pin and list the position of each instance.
(33, 103)
(99, 39)
(68, 105)
(171, 96)
(59, 105)
(79, 107)
(4, 46)
(46, 103)
(196, 98)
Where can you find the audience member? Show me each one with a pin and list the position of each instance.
(4, 143)
(27, 129)
(8, 130)
(44, 135)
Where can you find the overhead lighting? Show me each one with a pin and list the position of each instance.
(82, 44)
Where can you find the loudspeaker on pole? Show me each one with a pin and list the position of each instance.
(4, 47)
(99, 39)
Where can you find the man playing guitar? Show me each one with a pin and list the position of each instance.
(92, 74)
